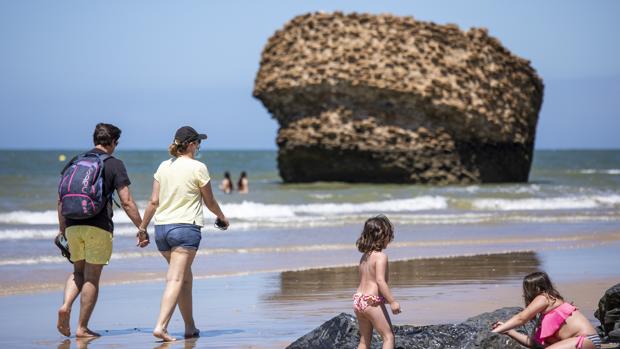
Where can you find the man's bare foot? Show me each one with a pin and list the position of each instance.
(63, 326)
(163, 334)
(192, 332)
(85, 333)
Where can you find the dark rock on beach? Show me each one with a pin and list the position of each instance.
(383, 98)
(342, 332)
(608, 313)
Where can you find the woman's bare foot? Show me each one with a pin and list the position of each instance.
(85, 333)
(63, 326)
(192, 332)
(163, 334)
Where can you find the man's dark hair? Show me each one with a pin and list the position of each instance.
(106, 134)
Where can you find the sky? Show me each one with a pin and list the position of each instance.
(150, 67)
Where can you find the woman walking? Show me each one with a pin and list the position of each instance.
(180, 186)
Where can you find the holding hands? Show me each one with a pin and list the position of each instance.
(142, 238)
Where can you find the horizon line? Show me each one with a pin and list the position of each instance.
(262, 149)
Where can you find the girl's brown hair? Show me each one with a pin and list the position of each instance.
(538, 283)
(177, 149)
(377, 234)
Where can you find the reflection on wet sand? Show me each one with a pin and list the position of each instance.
(187, 344)
(80, 343)
(480, 269)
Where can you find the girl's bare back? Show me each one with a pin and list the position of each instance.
(367, 272)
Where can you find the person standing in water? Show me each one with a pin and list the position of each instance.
(180, 186)
(226, 185)
(243, 185)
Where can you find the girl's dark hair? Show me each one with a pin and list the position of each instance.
(106, 134)
(227, 175)
(538, 283)
(241, 177)
(377, 234)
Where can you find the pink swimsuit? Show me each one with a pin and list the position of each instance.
(362, 301)
(554, 319)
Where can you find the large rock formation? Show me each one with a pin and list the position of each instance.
(381, 98)
(608, 313)
(342, 332)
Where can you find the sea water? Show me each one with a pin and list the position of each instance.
(570, 195)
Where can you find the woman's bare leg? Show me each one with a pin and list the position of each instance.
(180, 259)
(186, 306)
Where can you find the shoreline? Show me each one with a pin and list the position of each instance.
(216, 262)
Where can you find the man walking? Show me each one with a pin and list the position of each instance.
(85, 218)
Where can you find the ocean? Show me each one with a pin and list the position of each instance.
(571, 196)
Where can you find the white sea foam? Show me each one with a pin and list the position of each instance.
(249, 215)
(58, 260)
(612, 171)
(557, 203)
(321, 196)
(29, 217)
(252, 210)
(472, 188)
(248, 210)
(49, 234)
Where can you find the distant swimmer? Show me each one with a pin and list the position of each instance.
(226, 185)
(242, 185)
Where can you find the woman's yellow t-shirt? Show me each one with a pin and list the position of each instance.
(180, 201)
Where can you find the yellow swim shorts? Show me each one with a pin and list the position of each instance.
(89, 243)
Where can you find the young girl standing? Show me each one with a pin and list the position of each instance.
(373, 291)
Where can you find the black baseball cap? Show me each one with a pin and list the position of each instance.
(188, 134)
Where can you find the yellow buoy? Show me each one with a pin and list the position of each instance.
(62, 157)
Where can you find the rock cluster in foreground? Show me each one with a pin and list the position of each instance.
(608, 313)
(383, 98)
(342, 332)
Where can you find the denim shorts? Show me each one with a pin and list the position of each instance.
(169, 236)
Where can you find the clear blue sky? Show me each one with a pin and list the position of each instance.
(151, 66)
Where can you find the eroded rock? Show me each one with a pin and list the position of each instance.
(382, 98)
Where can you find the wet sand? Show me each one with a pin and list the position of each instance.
(272, 309)
(243, 253)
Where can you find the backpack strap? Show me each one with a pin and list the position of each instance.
(102, 158)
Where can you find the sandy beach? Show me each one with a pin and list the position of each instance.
(272, 309)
